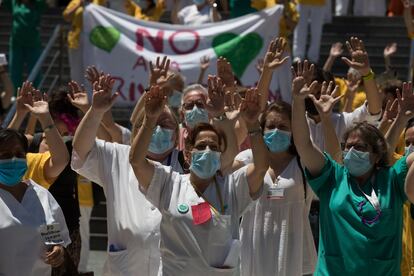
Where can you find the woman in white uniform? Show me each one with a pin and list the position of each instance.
(277, 226)
(200, 210)
(33, 230)
(133, 222)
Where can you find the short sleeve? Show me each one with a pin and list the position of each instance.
(158, 193)
(98, 162)
(181, 16)
(359, 115)
(327, 173)
(58, 217)
(36, 168)
(245, 157)
(241, 191)
(401, 170)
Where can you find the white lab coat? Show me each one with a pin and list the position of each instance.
(278, 229)
(133, 222)
(21, 245)
(341, 121)
(200, 250)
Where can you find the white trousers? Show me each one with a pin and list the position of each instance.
(369, 7)
(313, 15)
(341, 7)
(84, 232)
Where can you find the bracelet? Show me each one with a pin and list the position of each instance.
(254, 132)
(48, 128)
(369, 76)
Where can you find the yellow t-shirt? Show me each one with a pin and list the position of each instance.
(312, 2)
(359, 99)
(152, 15)
(85, 193)
(407, 260)
(35, 169)
(77, 20)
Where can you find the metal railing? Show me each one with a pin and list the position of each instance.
(58, 35)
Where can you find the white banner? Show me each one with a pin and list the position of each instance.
(123, 46)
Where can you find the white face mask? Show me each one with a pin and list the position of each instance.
(409, 150)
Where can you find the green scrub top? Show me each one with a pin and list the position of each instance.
(346, 245)
(26, 21)
(240, 8)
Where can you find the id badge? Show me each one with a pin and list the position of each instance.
(51, 234)
(275, 193)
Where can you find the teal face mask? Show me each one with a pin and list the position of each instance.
(277, 140)
(195, 116)
(12, 171)
(357, 162)
(175, 99)
(205, 163)
(161, 140)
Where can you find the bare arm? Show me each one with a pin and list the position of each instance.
(31, 125)
(329, 97)
(24, 96)
(143, 168)
(389, 50)
(360, 62)
(174, 12)
(335, 52)
(273, 59)
(102, 101)
(110, 127)
(310, 154)
(408, 18)
(204, 64)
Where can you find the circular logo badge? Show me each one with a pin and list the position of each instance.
(183, 208)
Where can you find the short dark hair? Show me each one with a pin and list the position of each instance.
(60, 104)
(11, 135)
(282, 108)
(191, 139)
(372, 136)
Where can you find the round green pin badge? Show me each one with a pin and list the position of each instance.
(183, 208)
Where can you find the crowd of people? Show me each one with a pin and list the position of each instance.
(211, 178)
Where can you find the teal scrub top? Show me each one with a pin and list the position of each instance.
(346, 245)
(26, 22)
(240, 8)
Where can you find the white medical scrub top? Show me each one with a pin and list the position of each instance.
(21, 245)
(278, 228)
(133, 222)
(203, 249)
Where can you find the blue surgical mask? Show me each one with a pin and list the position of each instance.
(161, 140)
(205, 163)
(357, 162)
(12, 171)
(277, 140)
(175, 99)
(195, 116)
(409, 150)
(198, 2)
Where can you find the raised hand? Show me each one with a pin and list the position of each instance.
(300, 87)
(406, 101)
(92, 74)
(250, 106)
(390, 50)
(359, 56)
(273, 58)
(39, 106)
(204, 63)
(160, 69)
(225, 72)
(336, 50)
(24, 96)
(216, 96)
(102, 99)
(78, 96)
(406, 4)
(391, 111)
(155, 101)
(327, 100)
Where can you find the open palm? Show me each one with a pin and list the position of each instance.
(250, 107)
(327, 100)
(216, 96)
(155, 101)
(273, 58)
(102, 99)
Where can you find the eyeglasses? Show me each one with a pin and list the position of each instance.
(190, 106)
(364, 220)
